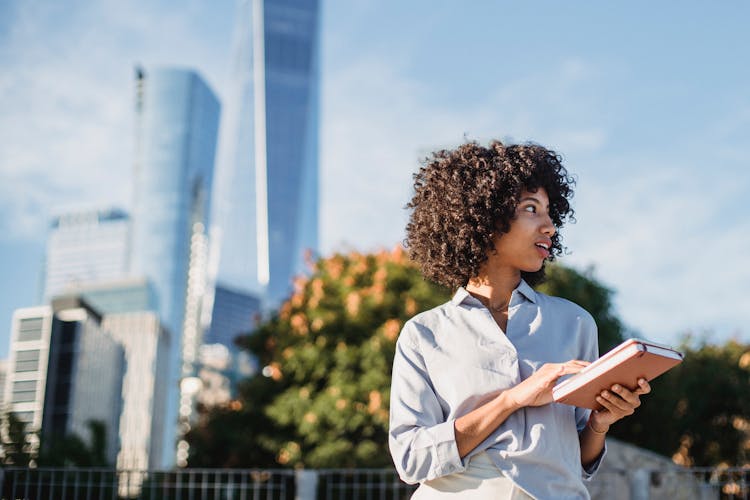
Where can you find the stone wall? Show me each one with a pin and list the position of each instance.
(632, 473)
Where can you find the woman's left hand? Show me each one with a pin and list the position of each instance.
(618, 402)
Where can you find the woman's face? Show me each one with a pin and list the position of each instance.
(528, 241)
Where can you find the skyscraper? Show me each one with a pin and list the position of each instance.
(177, 118)
(234, 314)
(267, 215)
(222, 362)
(85, 246)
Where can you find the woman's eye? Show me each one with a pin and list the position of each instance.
(530, 208)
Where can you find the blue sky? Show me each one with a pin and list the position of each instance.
(648, 103)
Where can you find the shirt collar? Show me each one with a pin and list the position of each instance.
(527, 291)
(523, 288)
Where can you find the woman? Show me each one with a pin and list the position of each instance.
(471, 397)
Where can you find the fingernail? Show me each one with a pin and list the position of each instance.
(615, 387)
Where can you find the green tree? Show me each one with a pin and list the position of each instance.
(322, 400)
(699, 412)
(236, 435)
(15, 450)
(71, 450)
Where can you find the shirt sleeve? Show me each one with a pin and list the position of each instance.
(422, 444)
(590, 352)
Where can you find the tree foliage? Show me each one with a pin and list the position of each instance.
(322, 400)
(327, 353)
(71, 450)
(13, 445)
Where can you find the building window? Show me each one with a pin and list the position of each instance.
(30, 329)
(27, 361)
(25, 417)
(24, 391)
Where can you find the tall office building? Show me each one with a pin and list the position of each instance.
(234, 313)
(222, 363)
(26, 378)
(84, 375)
(64, 372)
(3, 373)
(267, 211)
(86, 246)
(129, 316)
(177, 118)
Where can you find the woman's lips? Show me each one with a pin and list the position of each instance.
(543, 252)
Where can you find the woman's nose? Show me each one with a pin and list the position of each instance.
(549, 227)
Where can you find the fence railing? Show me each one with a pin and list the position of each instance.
(364, 484)
(331, 484)
(722, 482)
(186, 484)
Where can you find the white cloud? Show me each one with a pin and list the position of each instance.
(66, 87)
(654, 227)
(379, 124)
(657, 238)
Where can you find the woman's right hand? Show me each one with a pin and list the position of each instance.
(537, 389)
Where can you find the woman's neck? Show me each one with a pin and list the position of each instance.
(494, 288)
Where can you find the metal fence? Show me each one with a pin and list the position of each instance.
(332, 484)
(364, 484)
(722, 482)
(187, 484)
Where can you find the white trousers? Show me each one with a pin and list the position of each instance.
(481, 480)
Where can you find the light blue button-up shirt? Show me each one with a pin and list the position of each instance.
(453, 358)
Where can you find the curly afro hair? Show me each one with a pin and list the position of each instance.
(464, 197)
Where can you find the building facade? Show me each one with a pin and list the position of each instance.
(129, 316)
(28, 357)
(3, 373)
(177, 117)
(222, 364)
(234, 313)
(65, 372)
(85, 246)
(84, 375)
(267, 214)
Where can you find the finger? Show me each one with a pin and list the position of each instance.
(610, 408)
(643, 386)
(573, 366)
(618, 404)
(629, 396)
(579, 362)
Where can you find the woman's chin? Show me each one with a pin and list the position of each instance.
(534, 268)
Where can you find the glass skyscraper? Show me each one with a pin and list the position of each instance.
(176, 127)
(86, 246)
(267, 214)
(234, 314)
